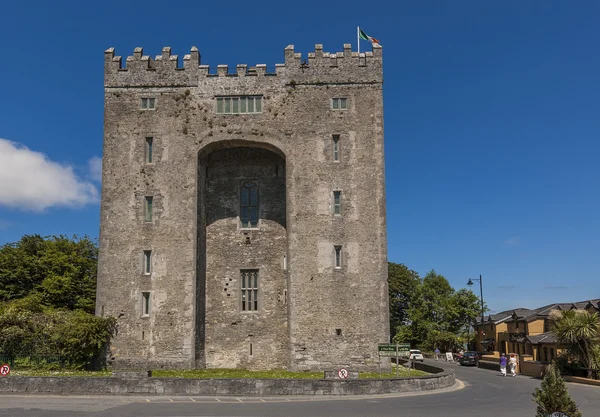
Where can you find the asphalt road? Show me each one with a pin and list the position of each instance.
(481, 393)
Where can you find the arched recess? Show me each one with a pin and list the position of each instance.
(241, 285)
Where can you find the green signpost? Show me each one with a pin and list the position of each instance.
(393, 350)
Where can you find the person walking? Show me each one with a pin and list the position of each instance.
(437, 353)
(513, 365)
(503, 364)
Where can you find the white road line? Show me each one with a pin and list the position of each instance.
(192, 400)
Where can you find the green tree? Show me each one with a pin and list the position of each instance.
(47, 299)
(433, 313)
(61, 270)
(579, 330)
(553, 396)
(402, 287)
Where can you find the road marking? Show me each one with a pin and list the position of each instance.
(218, 400)
(192, 400)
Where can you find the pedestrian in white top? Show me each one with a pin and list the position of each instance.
(513, 365)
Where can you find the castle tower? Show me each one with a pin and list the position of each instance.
(243, 212)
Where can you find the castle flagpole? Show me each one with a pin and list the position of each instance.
(358, 38)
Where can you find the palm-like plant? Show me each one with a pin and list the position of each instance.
(580, 331)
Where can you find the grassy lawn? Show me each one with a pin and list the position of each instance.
(217, 374)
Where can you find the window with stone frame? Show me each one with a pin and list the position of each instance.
(149, 150)
(239, 105)
(249, 204)
(148, 203)
(336, 148)
(148, 103)
(147, 262)
(145, 303)
(249, 289)
(339, 103)
(338, 256)
(337, 203)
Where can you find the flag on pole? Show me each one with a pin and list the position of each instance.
(362, 35)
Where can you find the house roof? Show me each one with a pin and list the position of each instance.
(525, 314)
(547, 337)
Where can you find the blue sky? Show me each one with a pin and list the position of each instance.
(491, 122)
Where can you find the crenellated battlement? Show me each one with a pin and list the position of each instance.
(165, 70)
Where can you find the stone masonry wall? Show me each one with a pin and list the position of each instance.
(335, 316)
(230, 248)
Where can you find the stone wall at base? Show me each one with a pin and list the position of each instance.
(220, 387)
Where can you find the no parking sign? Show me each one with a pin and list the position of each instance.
(4, 370)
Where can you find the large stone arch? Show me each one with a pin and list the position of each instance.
(230, 331)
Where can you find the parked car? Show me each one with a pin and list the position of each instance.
(416, 355)
(469, 358)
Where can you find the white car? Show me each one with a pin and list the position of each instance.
(416, 355)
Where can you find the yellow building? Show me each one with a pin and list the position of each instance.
(525, 332)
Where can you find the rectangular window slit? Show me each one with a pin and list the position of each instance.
(148, 209)
(338, 332)
(143, 335)
(336, 148)
(147, 262)
(250, 349)
(338, 256)
(149, 141)
(145, 303)
(337, 202)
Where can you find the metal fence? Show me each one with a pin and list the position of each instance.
(25, 361)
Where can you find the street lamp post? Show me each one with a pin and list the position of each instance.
(481, 292)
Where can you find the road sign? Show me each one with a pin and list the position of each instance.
(343, 373)
(388, 349)
(4, 370)
(403, 348)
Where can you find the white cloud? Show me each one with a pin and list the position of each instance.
(31, 181)
(513, 241)
(95, 167)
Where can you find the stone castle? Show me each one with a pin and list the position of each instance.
(243, 212)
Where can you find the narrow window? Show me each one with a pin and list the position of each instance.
(336, 148)
(148, 209)
(338, 332)
(249, 204)
(145, 303)
(250, 349)
(249, 289)
(343, 104)
(147, 262)
(102, 311)
(338, 256)
(149, 150)
(337, 203)
(143, 335)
